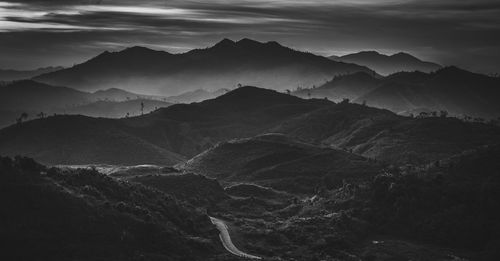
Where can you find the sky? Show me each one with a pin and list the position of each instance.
(39, 33)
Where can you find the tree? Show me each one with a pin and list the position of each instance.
(443, 114)
(288, 91)
(423, 114)
(142, 108)
(23, 117)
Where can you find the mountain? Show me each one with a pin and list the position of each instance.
(30, 95)
(34, 98)
(383, 135)
(111, 109)
(13, 75)
(450, 89)
(456, 91)
(82, 214)
(350, 86)
(189, 129)
(118, 95)
(388, 64)
(82, 140)
(278, 161)
(196, 96)
(224, 65)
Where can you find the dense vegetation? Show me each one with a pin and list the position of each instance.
(50, 214)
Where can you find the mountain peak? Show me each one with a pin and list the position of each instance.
(251, 94)
(247, 41)
(225, 42)
(138, 50)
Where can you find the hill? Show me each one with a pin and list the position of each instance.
(351, 86)
(34, 98)
(195, 189)
(111, 109)
(456, 91)
(195, 96)
(118, 95)
(224, 65)
(280, 162)
(188, 129)
(388, 64)
(82, 140)
(451, 89)
(14, 75)
(383, 135)
(30, 95)
(84, 215)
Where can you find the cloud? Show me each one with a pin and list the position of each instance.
(448, 31)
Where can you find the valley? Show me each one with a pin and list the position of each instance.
(248, 150)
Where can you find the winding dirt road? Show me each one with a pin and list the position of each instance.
(226, 240)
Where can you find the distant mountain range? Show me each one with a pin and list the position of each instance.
(224, 65)
(12, 75)
(170, 135)
(450, 89)
(196, 96)
(388, 64)
(33, 98)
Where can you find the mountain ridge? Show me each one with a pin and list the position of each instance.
(388, 64)
(224, 64)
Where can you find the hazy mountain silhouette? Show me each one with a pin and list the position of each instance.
(450, 89)
(195, 96)
(35, 98)
(31, 95)
(11, 75)
(388, 64)
(224, 65)
(349, 86)
(112, 109)
(188, 129)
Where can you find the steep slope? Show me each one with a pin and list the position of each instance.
(280, 162)
(388, 64)
(84, 215)
(223, 65)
